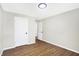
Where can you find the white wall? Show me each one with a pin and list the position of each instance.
(0, 30)
(63, 30)
(0, 27)
(8, 30)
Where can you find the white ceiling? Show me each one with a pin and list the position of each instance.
(32, 10)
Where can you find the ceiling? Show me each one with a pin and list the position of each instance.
(32, 10)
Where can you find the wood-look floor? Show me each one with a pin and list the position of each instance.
(39, 49)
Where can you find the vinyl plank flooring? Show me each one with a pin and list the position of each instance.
(40, 48)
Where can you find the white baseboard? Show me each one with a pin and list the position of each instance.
(18, 45)
(9, 48)
(5, 49)
(13, 47)
(62, 46)
(42, 40)
(1, 50)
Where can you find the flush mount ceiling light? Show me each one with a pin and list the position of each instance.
(42, 5)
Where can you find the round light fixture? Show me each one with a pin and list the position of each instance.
(42, 5)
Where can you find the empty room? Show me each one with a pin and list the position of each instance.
(39, 29)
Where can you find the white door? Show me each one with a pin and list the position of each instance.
(40, 31)
(21, 31)
(32, 31)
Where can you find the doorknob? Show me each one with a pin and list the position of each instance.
(26, 33)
